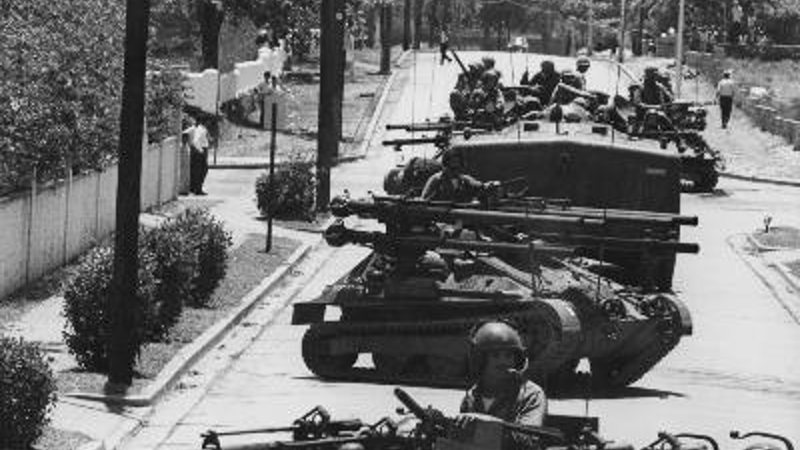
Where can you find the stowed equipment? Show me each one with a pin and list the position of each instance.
(429, 430)
(439, 268)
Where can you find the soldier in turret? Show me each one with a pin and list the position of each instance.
(498, 363)
(452, 184)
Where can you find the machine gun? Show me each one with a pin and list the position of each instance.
(589, 226)
(642, 244)
(432, 430)
(316, 425)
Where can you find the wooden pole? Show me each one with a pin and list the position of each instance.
(123, 346)
(271, 186)
(679, 49)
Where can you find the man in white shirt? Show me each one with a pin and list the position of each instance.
(725, 91)
(197, 138)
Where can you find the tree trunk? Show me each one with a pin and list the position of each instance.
(210, 18)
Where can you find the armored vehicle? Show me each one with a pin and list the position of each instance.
(575, 244)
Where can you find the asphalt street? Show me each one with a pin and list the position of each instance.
(739, 370)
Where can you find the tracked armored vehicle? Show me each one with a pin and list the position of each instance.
(577, 248)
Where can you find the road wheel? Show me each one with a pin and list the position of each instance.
(316, 355)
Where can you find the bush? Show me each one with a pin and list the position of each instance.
(210, 242)
(292, 195)
(174, 263)
(27, 393)
(86, 305)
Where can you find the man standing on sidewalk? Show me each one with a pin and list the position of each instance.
(725, 91)
(197, 138)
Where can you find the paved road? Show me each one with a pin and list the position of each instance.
(740, 369)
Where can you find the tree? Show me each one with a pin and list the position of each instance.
(60, 77)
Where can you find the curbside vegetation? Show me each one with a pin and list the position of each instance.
(27, 393)
(184, 259)
(292, 192)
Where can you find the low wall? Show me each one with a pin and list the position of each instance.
(47, 227)
(200, 89)
(765, 116)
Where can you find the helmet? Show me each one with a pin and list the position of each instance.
(650, 72)
(547, 66)
(491, 76)
(450, 156)
(583, 64)
(488, 62)
(495, 335)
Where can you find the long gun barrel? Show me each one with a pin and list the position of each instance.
(343, 207)
(559, 208)
(337, 235)
(438, 140)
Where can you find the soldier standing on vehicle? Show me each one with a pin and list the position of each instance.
(725, 91)
(498, 363)
(444, 44)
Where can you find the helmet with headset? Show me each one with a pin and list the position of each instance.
(495, 335)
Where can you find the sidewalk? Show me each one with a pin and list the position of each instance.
(232, 200)
(750, 153)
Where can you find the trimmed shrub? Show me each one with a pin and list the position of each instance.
(292, 195)
(87, 310)
(27, 393)
(210, 242)
(175, 262)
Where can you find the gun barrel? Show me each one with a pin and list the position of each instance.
(414, 141)
(421, 126)
(560, 207)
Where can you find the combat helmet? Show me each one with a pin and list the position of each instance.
(495, 335)
(582, 64)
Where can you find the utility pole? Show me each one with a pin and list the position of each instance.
(418, 5)
(621, 38)
(331, 54)
(386, 43)
(407, 24)
(679, 49)
(122, 346)
(590, 28)
(339, 30)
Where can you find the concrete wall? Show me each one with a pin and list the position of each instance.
(47, 227)
(765, 116)
(200, 89)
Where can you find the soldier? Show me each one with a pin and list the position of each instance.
(498, 363)
(582, 65)
(451, 183)
(444, 44)
(544, 81)
(654, 91)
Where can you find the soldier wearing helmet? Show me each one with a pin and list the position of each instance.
(582, 65)
(498, 363)
(653, 91)
(544, 81)
(451, 183)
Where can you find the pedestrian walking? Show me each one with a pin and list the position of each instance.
(725, 91)
(197, 138)
(444, 44)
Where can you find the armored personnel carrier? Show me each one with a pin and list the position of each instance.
(577, 247)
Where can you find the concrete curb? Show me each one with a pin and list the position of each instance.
(776, 283)
(755, 179)
(793, 281)
(191, 353)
